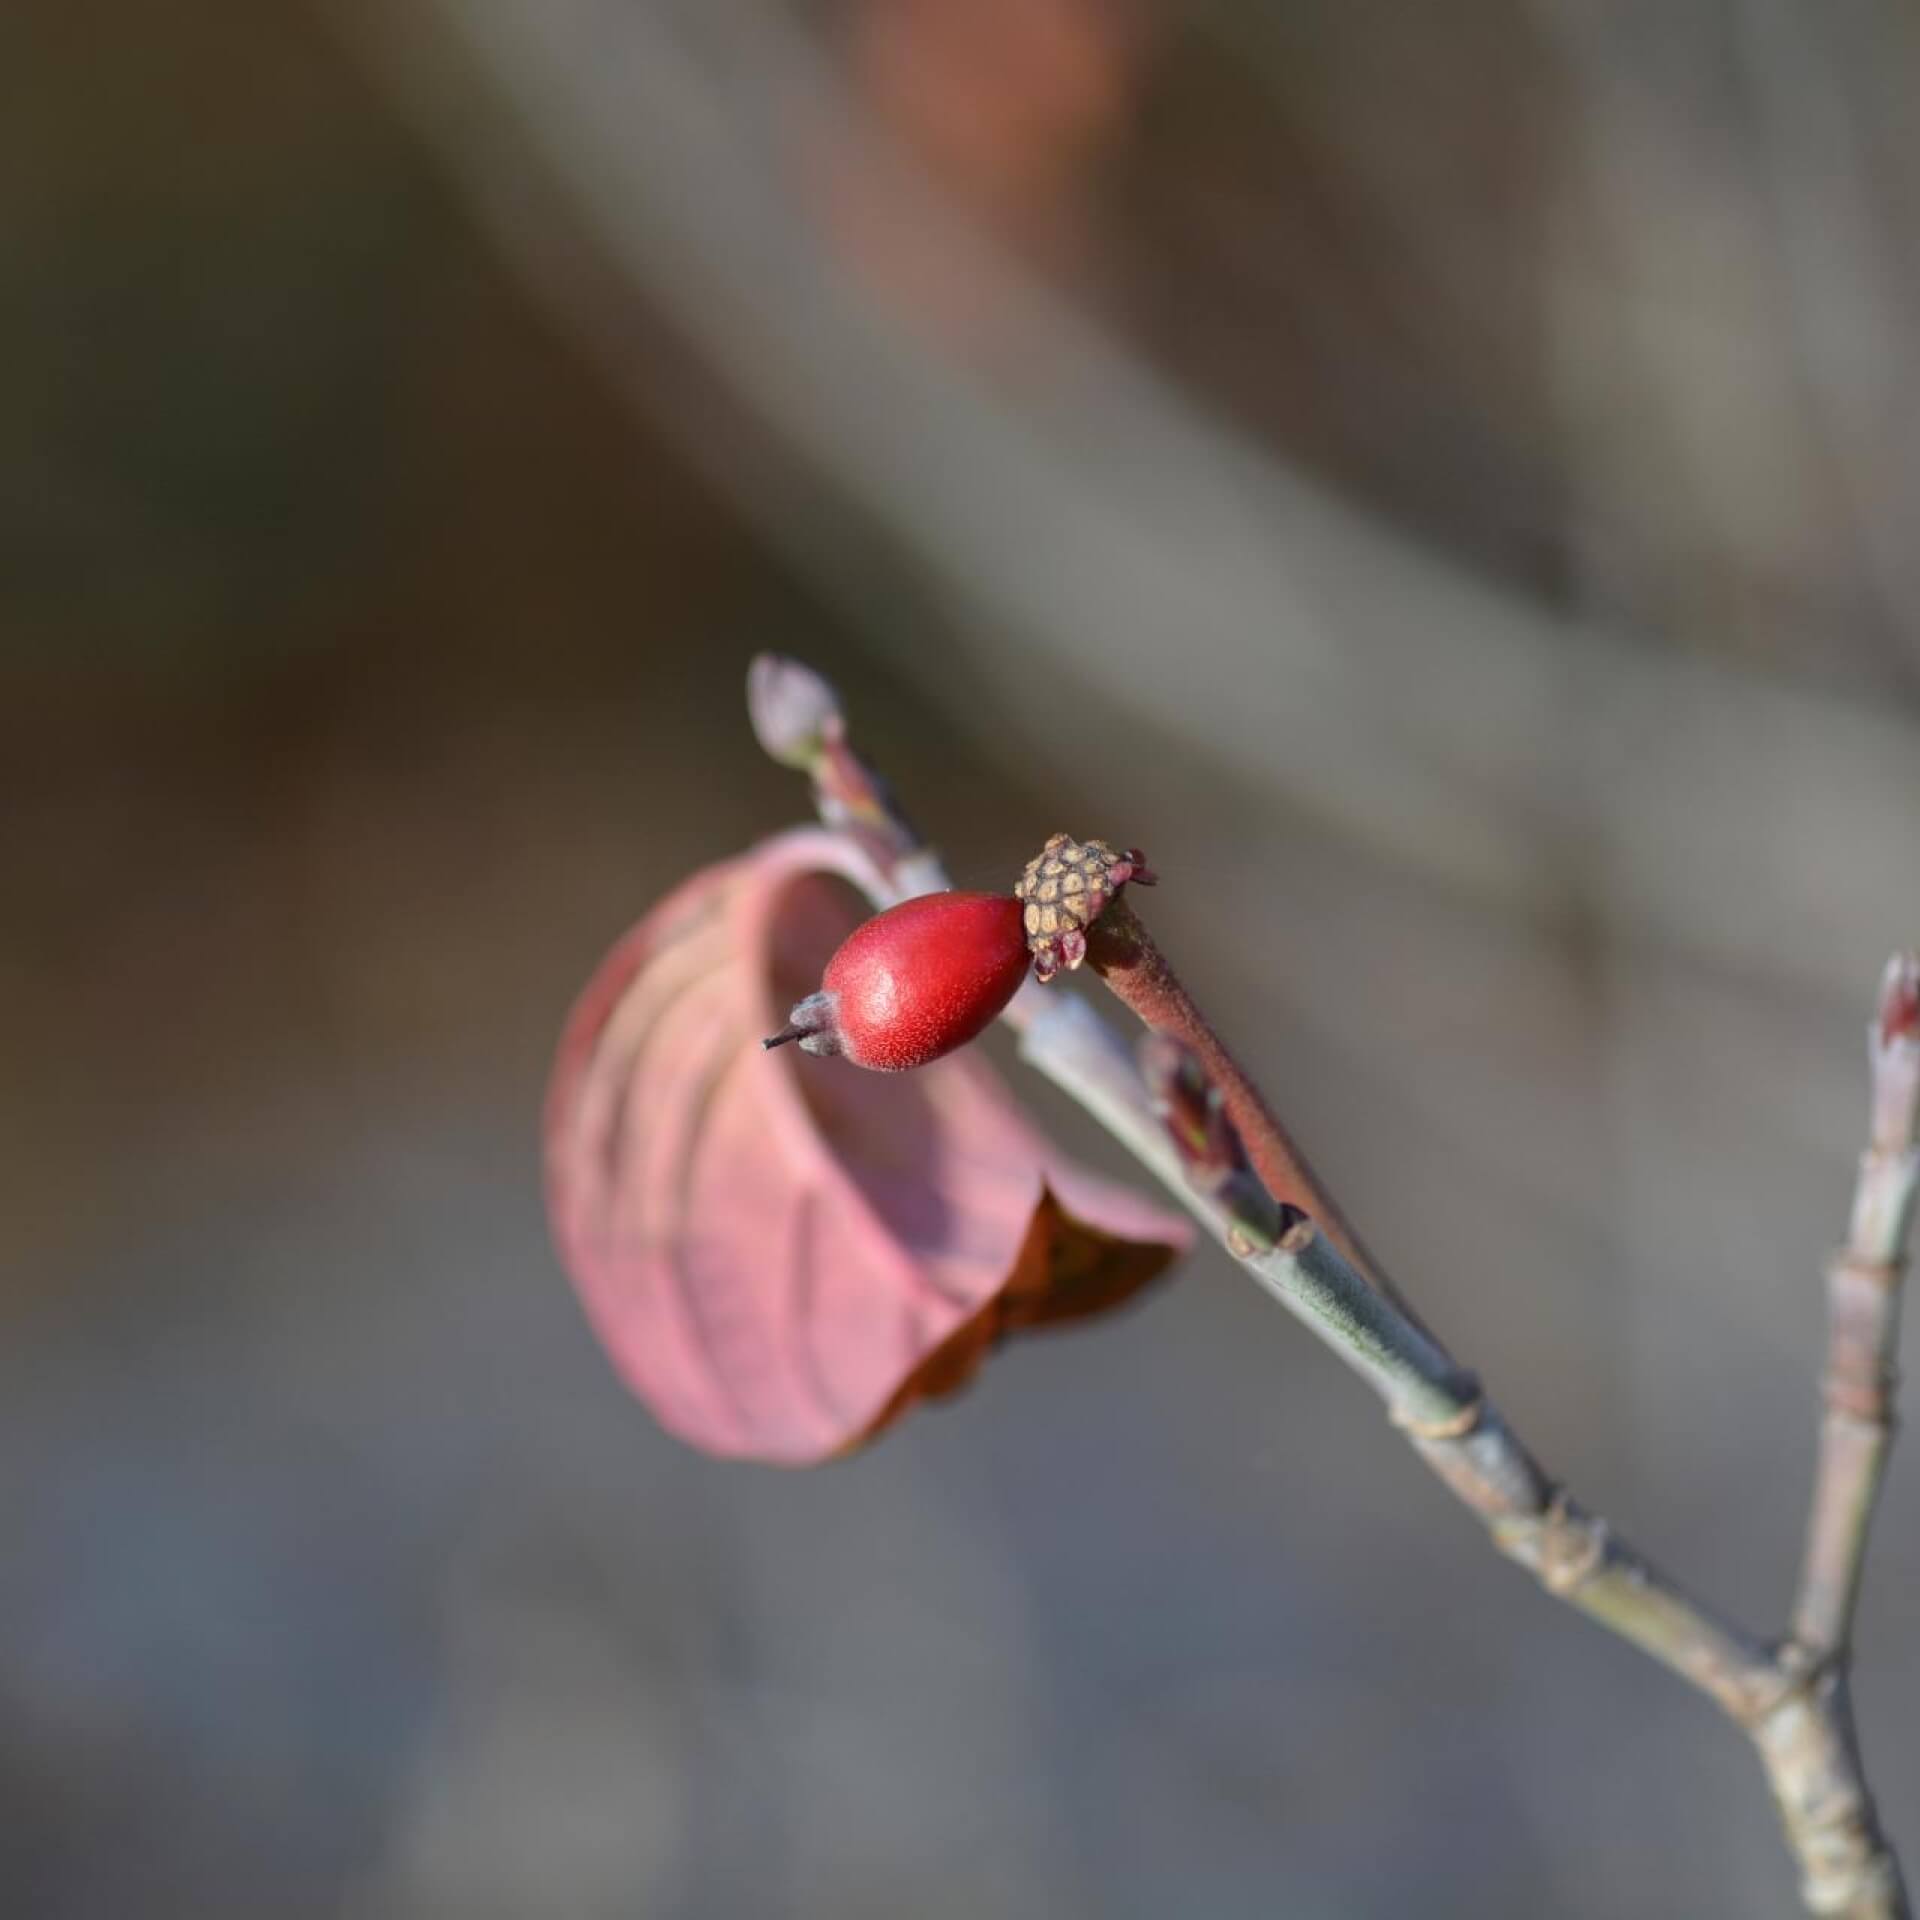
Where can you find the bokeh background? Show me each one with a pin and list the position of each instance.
(1445, 479)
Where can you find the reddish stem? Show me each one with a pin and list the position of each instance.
(1122, 952)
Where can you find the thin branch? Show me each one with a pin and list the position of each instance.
(1793, 1705)
(1450, 1422)
(1815, 1761)
(1122, 952)
(1197, 1120)
(1863, 1325)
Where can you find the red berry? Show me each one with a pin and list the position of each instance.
(915, 982)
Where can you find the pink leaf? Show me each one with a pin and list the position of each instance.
(781, 1254)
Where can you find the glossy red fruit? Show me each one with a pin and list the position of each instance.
(915, 982)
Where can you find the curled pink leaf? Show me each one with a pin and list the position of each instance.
(782, 1254)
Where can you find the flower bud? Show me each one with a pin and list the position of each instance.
(1064, 890)
(795, 712)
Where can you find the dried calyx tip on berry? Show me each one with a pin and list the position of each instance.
(1066, 887)
(810, 1023)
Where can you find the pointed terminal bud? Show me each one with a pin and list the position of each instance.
(797, 718)
(1065, 889)
(1895, 1057)
(915, 982)
(1900, 999)
(795, 712)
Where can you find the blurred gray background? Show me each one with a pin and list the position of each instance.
(1456, 464)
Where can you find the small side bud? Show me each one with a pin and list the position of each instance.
(796, 713)
(1066, 887)
(1189, 1107)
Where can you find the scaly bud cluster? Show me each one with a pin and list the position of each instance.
(1064, 890)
